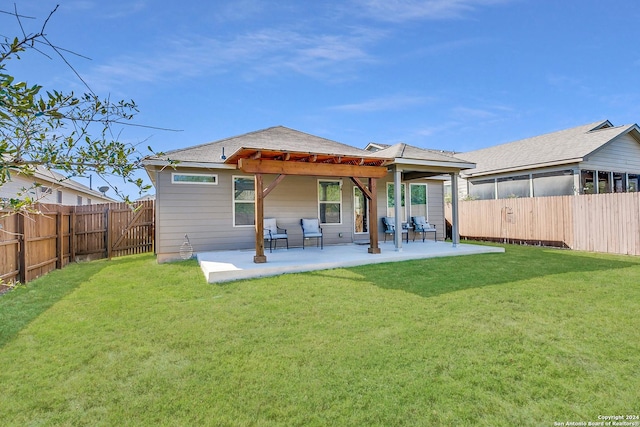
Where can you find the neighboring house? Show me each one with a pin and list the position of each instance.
(217, 190)
(593, 158)
(52, 188)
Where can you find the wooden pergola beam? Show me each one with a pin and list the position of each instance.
(362, 187)
(272, 185)
(278, 167)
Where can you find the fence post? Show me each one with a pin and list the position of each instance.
(22, 245)
(107, 227)
(59, 240)
(72, 236)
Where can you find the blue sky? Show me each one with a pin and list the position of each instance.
(455, 75)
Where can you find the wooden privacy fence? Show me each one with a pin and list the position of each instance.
(595, 222)
(32, 245)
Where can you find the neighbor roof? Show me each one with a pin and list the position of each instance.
(565, 146)
(60, 180)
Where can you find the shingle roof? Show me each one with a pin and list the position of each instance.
(569, 145)
(281, 138)
(405, 151)
(274, 138)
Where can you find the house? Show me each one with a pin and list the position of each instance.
(219, 191)
(51, 187)
(593, 158)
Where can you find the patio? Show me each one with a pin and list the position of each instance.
(224, 266)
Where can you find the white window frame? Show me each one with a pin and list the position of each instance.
(339, 181)
(426, 200)
(209, 175)
(234, 201)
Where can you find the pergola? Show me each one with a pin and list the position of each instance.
(282, 163)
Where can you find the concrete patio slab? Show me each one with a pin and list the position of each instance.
(224, 266)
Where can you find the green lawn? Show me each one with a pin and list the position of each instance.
(529, 337)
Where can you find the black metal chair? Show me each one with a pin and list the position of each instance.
(311, 229)
(273, 233)
(389, 228)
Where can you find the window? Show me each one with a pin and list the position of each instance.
(484, 189)
(330, 201)
(391, 204)
(619, 182)
(418, 202)
(586, 180)
(513, 186)
(194, 178)
(244, 202)
(633, 183)
(79, 200)
(604, 182)
(448, 194)
(360, 211)
(45, 190)
(558, 183)
(59, 196)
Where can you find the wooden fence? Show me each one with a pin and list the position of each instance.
(595, 222)
(32, 245)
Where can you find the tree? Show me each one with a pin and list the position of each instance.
(71, 134)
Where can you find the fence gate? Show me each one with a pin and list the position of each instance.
(130, 231)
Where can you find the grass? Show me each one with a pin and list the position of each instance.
(529, 337)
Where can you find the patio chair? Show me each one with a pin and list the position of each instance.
(273, 233)
(310, 229)
(420, 225)
(389, 228)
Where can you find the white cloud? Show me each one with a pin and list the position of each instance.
(406, 10)
(394, 102)
(265, 52)
(112, 10)
(474, 113)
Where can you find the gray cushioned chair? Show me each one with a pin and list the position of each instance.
(420, 225)
(389, 228)
(273, 233)
(310, 229)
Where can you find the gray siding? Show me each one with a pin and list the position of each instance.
(205, 212)
(621, 155)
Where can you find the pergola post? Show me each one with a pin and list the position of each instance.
(305, 164)
(259, 218)
(397, 182)
(455, 231)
